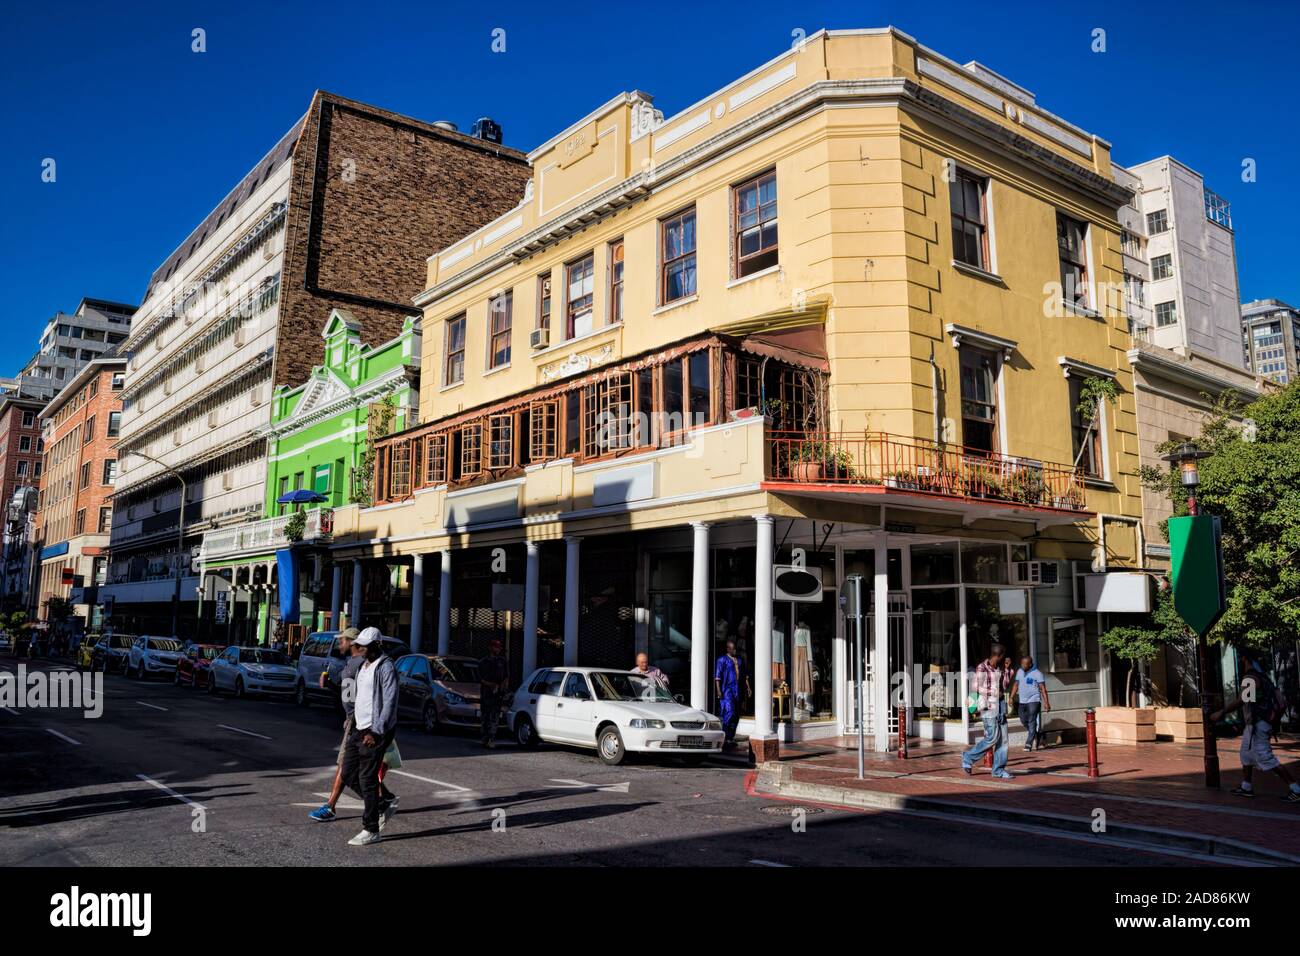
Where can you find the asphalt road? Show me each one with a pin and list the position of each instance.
(171, 776)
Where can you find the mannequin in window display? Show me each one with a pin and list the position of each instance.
(780, 689)
(804, 675)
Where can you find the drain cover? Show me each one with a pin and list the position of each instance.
(780, 811)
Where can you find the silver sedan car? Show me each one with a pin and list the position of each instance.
(252, 670)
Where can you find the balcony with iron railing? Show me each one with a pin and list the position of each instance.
(269, 534)
(891, 462)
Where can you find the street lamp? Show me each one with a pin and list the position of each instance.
(180, 538)
(1185, 457)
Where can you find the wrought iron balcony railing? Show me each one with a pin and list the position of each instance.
(882, 460)
(268, 534)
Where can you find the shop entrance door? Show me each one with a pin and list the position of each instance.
(899, 662)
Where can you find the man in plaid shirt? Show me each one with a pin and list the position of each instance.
(992, 680)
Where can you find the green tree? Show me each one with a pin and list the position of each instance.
(1141, 643)
(1251, 481)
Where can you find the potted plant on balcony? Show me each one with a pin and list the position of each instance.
(902, 480)
(1026, 485)
(769, 409)
(295, 527)
(820, 460)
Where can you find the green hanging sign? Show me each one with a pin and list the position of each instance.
(1196, 571)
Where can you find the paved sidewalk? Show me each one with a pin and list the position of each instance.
(1150, 793)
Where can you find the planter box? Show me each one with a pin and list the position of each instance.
(1126, 725)
(1180, 723)
(807, 471)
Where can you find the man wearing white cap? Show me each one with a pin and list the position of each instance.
(374, 724)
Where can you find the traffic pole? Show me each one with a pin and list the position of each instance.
(1090, 719)
(902, 732)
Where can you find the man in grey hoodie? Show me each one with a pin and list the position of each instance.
(374, 724)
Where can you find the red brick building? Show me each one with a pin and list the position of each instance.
(20, 467)
(74, 515)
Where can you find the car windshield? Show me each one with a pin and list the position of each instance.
(455, 672)
(256, 655)
(164, 644)
(620, 685)
(122, 640)
(209, 653)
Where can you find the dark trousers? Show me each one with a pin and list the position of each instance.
(1030, 715)
(490, 712)
(361, 772)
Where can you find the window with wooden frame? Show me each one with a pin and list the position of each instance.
(754, 219)
(501, 441)
(673, 391)
(471, 449)
(1071, 241)
(454, 358)
(1087, 441)
(573, 422)
(382, 456)
(699, 396)
(677, 246)
(617, 412)
(417, 464)
(591, 420)
(968, 196)
(616, 282)
(749, 382)
(979, 403)
(579, 296)
(544, 301)
(543, 422)
(499, 322)
(645, 406)
(400, 480)
(435, 459)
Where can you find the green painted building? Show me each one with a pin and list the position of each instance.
(318, 439)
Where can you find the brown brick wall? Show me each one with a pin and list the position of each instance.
(11, 430)
(373, 196)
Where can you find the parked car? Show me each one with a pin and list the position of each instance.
(438, 691)
(321, 653)
(149, 656)
(85, 657)
(6, 642)
(110, 654)
(616, 712)
(195, 665)
(251, 670)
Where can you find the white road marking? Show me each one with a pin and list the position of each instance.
(10, 710)
(170, 792)
(241, 731)
(65, 737)
(580, 785)
(154, 706)
(437, 783)
(769, 863)
(345, 802)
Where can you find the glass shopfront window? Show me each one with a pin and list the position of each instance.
(936, 652)
(996, 615)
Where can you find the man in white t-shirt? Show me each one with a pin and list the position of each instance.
(1031, 693)
(374, 724)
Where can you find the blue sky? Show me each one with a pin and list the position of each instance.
(148, 136)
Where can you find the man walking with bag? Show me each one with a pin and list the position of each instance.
(374, 725)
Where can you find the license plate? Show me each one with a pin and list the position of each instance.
(690, 741)
(478, 714)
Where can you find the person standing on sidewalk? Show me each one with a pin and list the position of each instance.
(1262, 705)
(992, 678)
(1031, 697)
(493, 675)
(374, 725)
(731, 683)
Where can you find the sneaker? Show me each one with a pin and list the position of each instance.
(1291, 796)
(1029, 750)
(364, 838)
(490, 744)
(322, 814)
(1239, 792)
(1004, 775)
(965, 768)
(386, 812)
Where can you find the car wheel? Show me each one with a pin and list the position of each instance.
(212, 686)
(526, 733)
(609, 743)
(300, 695)
(429, 718)
(239, 688)
(176, 677)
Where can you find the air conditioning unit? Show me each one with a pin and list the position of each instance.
(227, 481)
(241, 336)
(256, 396)
(1035, 574)
(539, 338)
(212, 419)
(167, 386)
(200, 363)
(177, 437)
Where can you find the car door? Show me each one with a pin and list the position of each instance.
(223, 668)
(546, 712)
(575, 709)
(406, 686)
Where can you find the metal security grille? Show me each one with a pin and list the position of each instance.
(606, 632)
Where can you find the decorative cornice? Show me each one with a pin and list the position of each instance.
(959, 333)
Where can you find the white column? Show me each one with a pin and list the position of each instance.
(572, 553)
(444, 603)
(354, 610)
(964, 664)
(336, 597)
(763, 628)
(417, 601)
(700, 643)
(530, 607)
(880, 653)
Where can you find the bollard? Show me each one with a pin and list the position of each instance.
(902, 733)
(1090, 719)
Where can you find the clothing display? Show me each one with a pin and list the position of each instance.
(803, 662)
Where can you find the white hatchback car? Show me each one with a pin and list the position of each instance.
(616, 712)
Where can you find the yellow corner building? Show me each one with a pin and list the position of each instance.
(836, 319)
